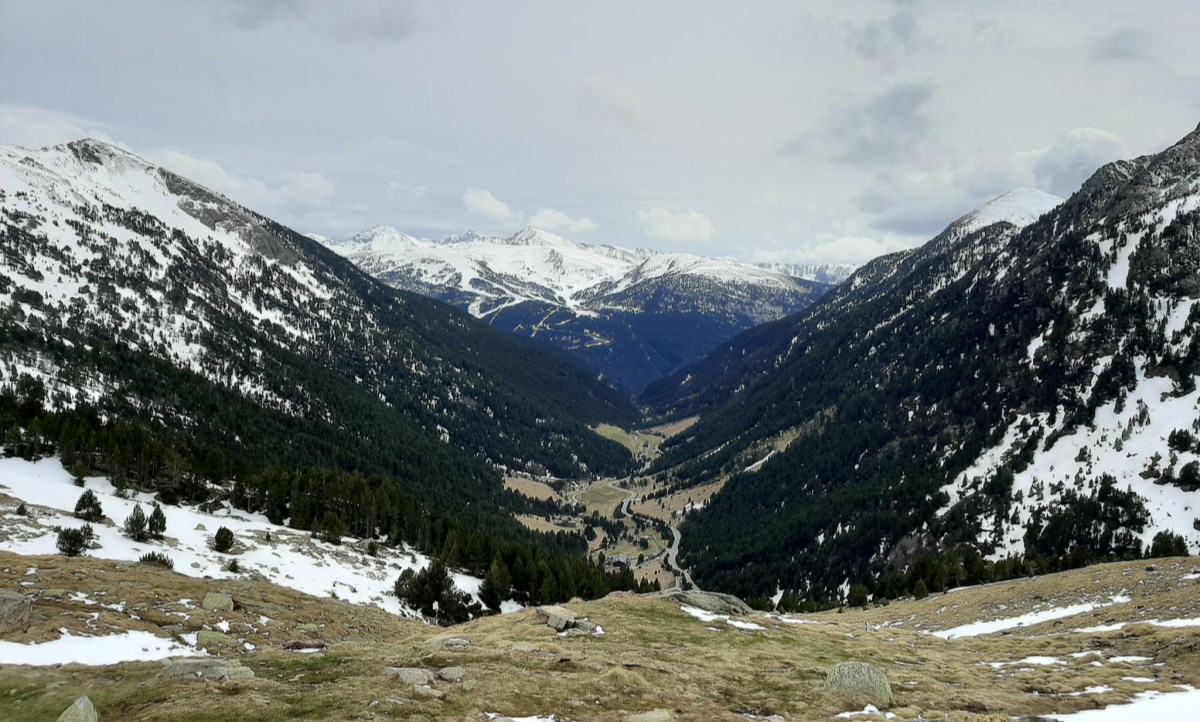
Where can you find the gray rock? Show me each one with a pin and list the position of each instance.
(210, 640)
(585, 625)
(201, 527)
(217, 602)
(212, 669)
(557, 618)
(456, 642)
(451, 674)
(654, 715)
(714, 602)
(409, 675)
(863, 683)
(81, 711)
(427, 691)
(14, 611)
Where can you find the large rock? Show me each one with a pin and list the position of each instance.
(557, 618)
(211, 640)
(14, 611)
(81, 711)
(863, 683)
(654, 715)
(714, 602)
(216, 670)
(409, 675)
(217, 602)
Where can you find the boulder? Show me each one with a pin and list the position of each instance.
(217, 602)
(451, 674)
(863, 683)
(14, 611)
(81, 711)
(211, 640)
(557, 618)
(714, 602)
(654, 715)
(212, 669)
(409, 675)
(426, 691)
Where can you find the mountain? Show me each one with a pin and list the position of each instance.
(1019, 388)
(828, 273)
(634, 315)
(130, 295)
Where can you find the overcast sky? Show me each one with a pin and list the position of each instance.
(814, 131)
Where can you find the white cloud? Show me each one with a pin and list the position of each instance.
(411, 191)
(39, 127)
(297, 188)
(1064, 166)
(613, 98)
(846, 249)
(482, 202)
(549, 219)
(686, 227)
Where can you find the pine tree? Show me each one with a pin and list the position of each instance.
(158, 523)
(496, 585)
(88, 507)
(223, 541)
(135, 524)
(71, 542)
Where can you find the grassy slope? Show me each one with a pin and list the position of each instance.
(653, 656)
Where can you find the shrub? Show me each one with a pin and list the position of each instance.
(158, 558)
(157, 523)
(223, 541)
(1168, 544)
(233, 567)
(135, 524)
(88, 507)
(71, 542)
(920, 591)
(857, 597)
(372, 548)
(21, 510)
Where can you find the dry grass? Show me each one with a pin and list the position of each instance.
(531, 488)
(653, 655)
(602, 498)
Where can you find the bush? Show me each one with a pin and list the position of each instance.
(135, 524)
(88, 507)
(71, 542)
(158, 558)
(233, 567)
(21, 510)
(858, 596)
(157, 523)
(1168, 544)
(920, 591)
(432, 592)
(372, 548)
(223, 541)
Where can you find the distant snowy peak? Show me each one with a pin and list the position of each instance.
(1020, 207)
(831, 273)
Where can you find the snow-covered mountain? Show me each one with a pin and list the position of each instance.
(632, 314)
(1024, 383)
(829, 273)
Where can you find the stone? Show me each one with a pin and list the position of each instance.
(409, 675)
(297, 645)
(654, 715)
(212, 669)
(469, 684)
(713, 602)
(217, 602)
(524, 647)
(863, 683)
(557, 618)
(14, 611)
(81, 711)
(585, 625)
(54, 593)
(451, 674)
(456, 642)
(201, 527)
(209, 639)
(427, 691)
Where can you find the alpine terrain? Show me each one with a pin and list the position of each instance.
(1016, 395)
(633, 315)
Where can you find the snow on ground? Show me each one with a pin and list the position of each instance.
(291, 558)
(1145, 706)
(976, 629)
(1172, 623)
(130, 646)
(868, 711)
(709, 617)
(535, 718)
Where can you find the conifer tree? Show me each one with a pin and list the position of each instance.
(135, 524)
(157, 523)
(88, 507)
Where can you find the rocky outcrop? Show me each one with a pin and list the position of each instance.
(14, 611)
(81, 711)
(215, 670)
(863, 683)
(557, 618)
(714, 602)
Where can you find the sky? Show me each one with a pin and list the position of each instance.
(821, 131)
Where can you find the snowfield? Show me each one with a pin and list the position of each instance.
(287, 557)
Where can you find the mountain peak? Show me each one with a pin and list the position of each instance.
(1020, 207)
(530, 236)
(382, 238)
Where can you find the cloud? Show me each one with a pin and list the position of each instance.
(615, 100)
(411, 191)
(881, 129)
(686, 227)
(32, 127)
(1074, 157)
(549, 219)
(889, 38)
(293, 189)
(378, 20)
(843, 249)
(1128, 44)
(482, 202)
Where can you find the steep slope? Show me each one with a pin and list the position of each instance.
(130, 289)
(998, 390)
(634, 315)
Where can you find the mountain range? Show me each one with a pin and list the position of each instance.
(633, 315)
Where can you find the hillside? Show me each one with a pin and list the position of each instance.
(633, 315)
(1002, 390)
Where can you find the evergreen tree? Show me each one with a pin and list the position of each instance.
(135, 524)
(71, 542)
(157, 523)
(496, 585)
(88, 507)
(223, 541)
